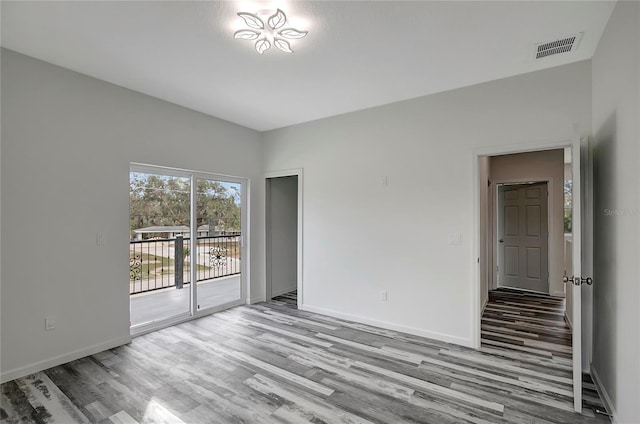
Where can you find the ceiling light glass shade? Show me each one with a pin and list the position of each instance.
(277, 20)
(262, 45)
(268, 35)
(252, 20)
(282, 45)
(292, 33)
(246, 34)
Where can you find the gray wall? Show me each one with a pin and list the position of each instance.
(282, 234)
(616, 182)
(364, 233)
(67, 141)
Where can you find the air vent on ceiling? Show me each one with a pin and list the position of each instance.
(563, 45)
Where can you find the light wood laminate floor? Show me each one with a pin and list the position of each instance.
(271, 363)
(532, 323)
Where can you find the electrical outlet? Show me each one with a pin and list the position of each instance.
(383, 296)
(49, 324)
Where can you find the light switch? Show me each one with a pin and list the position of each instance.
(455, 238)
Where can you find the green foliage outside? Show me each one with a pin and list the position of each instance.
(156, 200)
(567, 221)
(568, 205)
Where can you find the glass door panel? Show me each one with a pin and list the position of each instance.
(218, 220)
(159, 215)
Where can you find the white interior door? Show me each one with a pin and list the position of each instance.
(523, 229)
(576, 285)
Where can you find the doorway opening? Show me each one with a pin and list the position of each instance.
(283, 228)
(514, 321)
(524, 304)
(186, 245)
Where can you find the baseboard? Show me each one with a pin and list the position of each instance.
(62, 359)
(278, 293)
(256, 300)
(567, 319)
(484, 306)
(390, 326)
(606, 400)
(558, 294)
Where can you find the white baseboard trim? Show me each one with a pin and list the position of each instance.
(390, 326)
(256, 300)
(604, 395)
(62, 359)
(567, 319)
(484, 306)
(278, 293)
(558, 294)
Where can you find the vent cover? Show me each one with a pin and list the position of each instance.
(550, 48)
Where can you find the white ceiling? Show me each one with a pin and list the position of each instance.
(358, 54)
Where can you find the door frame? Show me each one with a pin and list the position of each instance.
(244, 241)
(574, 144)
(245, 280)
(494, 204)
(299, 277)
(476, 239)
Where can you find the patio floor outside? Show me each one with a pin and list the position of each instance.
(161, 304)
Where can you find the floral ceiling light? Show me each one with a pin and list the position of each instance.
(270, 34)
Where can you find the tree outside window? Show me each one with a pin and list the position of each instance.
(568, 205)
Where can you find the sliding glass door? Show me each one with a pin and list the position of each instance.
(186, 244)
(159, 215)
(218, 216)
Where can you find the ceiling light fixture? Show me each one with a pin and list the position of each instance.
(269, 34)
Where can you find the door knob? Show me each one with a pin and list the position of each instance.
(587, 280)
(577, 280)
(501, 240)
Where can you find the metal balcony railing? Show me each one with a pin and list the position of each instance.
(162, 263)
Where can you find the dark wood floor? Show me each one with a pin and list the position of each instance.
(271, 363)
(535, 324)
(290, 299)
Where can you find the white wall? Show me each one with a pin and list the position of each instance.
(616, 182)
(282, 234)
(362, 236)
(536, 166)
(67, 141)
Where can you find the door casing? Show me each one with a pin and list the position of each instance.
(475, 307)
(300, 283)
